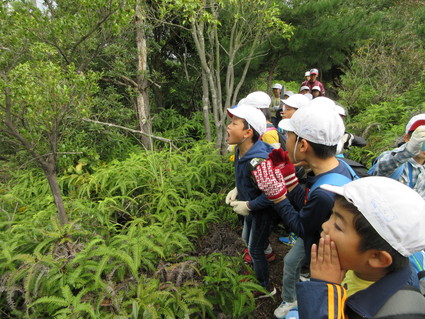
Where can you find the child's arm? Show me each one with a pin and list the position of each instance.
(323, 297)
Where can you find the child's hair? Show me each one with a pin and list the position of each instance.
(323, 151)
(256, 135)
(369, 238)
(266, 112)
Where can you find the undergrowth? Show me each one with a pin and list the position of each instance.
(128, 252)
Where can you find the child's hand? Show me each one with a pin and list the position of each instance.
(324, 263)
(280, 160)
(270, 181)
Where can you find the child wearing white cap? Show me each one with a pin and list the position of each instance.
(246, 126)
(360, 269)
(406, 163)
(260, 100)
(275, 103)
(313, 133)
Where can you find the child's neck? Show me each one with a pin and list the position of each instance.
(245, 147)
(373, 275)
(320, 166)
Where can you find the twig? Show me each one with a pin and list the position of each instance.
(162, 139)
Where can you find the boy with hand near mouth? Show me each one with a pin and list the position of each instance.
(363, 254)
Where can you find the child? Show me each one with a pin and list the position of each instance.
(246, 126)
(261, 101)
(313, 133)
(315, 90)
(376, 224)
(292, 104)
(406, 163)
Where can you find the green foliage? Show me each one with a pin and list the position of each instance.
(388, 64)
(384, 124)
(229, 290)
(129, 219)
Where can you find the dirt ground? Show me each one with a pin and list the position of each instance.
(227, 240)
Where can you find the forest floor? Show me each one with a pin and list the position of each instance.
(227, 240)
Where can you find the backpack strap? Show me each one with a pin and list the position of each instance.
(270, 127)
(397, 173)
(331, 178)
(350, 169)
(407, 303)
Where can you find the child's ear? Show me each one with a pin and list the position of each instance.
(249, 133)
(303, 144)
(380, 259)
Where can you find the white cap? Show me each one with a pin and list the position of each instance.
(307, 73)
(322, 100)
(316, 87)
(255, 118)
(414, 122)
(340, 110)
(304, 87)
(318, 124)
(309, 96)
(277, 86)
(393, 209)
(288, 93)
(297, 101)
(258, 99)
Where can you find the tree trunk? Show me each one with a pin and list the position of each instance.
(49, 170)
(205, 106)
(142, 98)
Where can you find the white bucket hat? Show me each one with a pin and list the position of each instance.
(304, 87)
(297, 101)
(318, 124)
(255, 118)
(393, 209)
(258, 99)
(340, 110)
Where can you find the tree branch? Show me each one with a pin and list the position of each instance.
(162, 139)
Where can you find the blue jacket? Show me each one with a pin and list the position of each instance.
(247, 189)
(306, 220)
(318, 299)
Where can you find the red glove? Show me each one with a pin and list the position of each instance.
(270, 180)
(280, 160)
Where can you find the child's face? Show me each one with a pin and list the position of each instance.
(235, 131)
(288, 112)
(316, 93)
(340, 228)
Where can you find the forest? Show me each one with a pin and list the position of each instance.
(113, 162)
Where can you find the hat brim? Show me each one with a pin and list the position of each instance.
(286, 125)
(334, 189)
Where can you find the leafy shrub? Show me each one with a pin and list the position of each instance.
(126, 252)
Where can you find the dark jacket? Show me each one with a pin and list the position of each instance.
(306, 220)
(322, 300)
(247, 189)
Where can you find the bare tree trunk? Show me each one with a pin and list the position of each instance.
(142, 98)
(49, 170)
(205, 106)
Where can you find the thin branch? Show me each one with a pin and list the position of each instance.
(162, 139)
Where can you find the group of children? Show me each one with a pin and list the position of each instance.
(356, 234)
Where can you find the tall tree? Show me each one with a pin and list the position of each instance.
(44, 79)
(227, 35)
